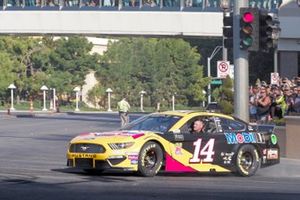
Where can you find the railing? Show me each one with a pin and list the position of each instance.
(130, 5)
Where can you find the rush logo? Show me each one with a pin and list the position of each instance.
(239, 138)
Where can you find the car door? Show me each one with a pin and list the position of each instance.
(209, 151)
(205, 147)
(190, 151)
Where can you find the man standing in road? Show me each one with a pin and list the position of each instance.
(123, 108)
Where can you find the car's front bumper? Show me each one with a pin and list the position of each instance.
(102, 162)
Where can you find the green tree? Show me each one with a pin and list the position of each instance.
(69, 61)
(96, 96)
(7, 75)
(61, 64)
(162, 67)
(224, 95)
(17, 50)
(72, 55)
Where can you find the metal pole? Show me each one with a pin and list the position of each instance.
(51, 101)
(142, 108)
(215, 51)
(241, 71)
(173, 102)
(12, 99)
(209, 85)
(77, 99)
(54, 100)
(275, 60)
(109, 108)
(225, 52)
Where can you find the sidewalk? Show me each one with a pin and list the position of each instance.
(286, 168)
(52, 113)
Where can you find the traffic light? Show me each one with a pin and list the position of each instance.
(265, 29)
(249, 29)
(228, 29)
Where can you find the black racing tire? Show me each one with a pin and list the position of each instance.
(93, 171)
(247, 160)
(150, 159)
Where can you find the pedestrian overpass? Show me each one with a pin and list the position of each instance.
(111, 22)
(115, 17)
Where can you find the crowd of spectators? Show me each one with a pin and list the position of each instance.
(274, 101)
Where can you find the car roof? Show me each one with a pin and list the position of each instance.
(183, 113)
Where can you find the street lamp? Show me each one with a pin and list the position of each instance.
(12, 87)
(142, 95)
(77, 89)
(215, 51)
(109, 91)
(44, 89)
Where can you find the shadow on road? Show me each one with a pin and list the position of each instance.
(119, 173)
(107, 176)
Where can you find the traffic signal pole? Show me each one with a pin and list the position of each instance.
(224, 50)
(241, 67)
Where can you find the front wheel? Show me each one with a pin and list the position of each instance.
(150, 159)
(247, 160)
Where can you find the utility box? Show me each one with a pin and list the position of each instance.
(292, 137)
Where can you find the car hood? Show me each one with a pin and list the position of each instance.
(110, 136)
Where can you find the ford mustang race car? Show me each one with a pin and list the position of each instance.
(164, 141)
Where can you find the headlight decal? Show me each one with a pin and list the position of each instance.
(118, 146)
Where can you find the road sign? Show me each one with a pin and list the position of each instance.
(275, 78)
(216, 82)
(223, 69)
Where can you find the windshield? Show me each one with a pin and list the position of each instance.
(155, 123)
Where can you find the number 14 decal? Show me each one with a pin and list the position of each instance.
(207, 151)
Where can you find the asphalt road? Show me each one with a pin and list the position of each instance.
(33, 166)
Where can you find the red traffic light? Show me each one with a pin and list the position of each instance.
(248, 17)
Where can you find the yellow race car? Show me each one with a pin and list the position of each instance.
(165, 141)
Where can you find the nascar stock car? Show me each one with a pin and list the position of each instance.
(163, 141)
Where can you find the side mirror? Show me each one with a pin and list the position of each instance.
(176, 131)
(175, 136)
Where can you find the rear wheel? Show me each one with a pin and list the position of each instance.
(247, 160)
(150, 159)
